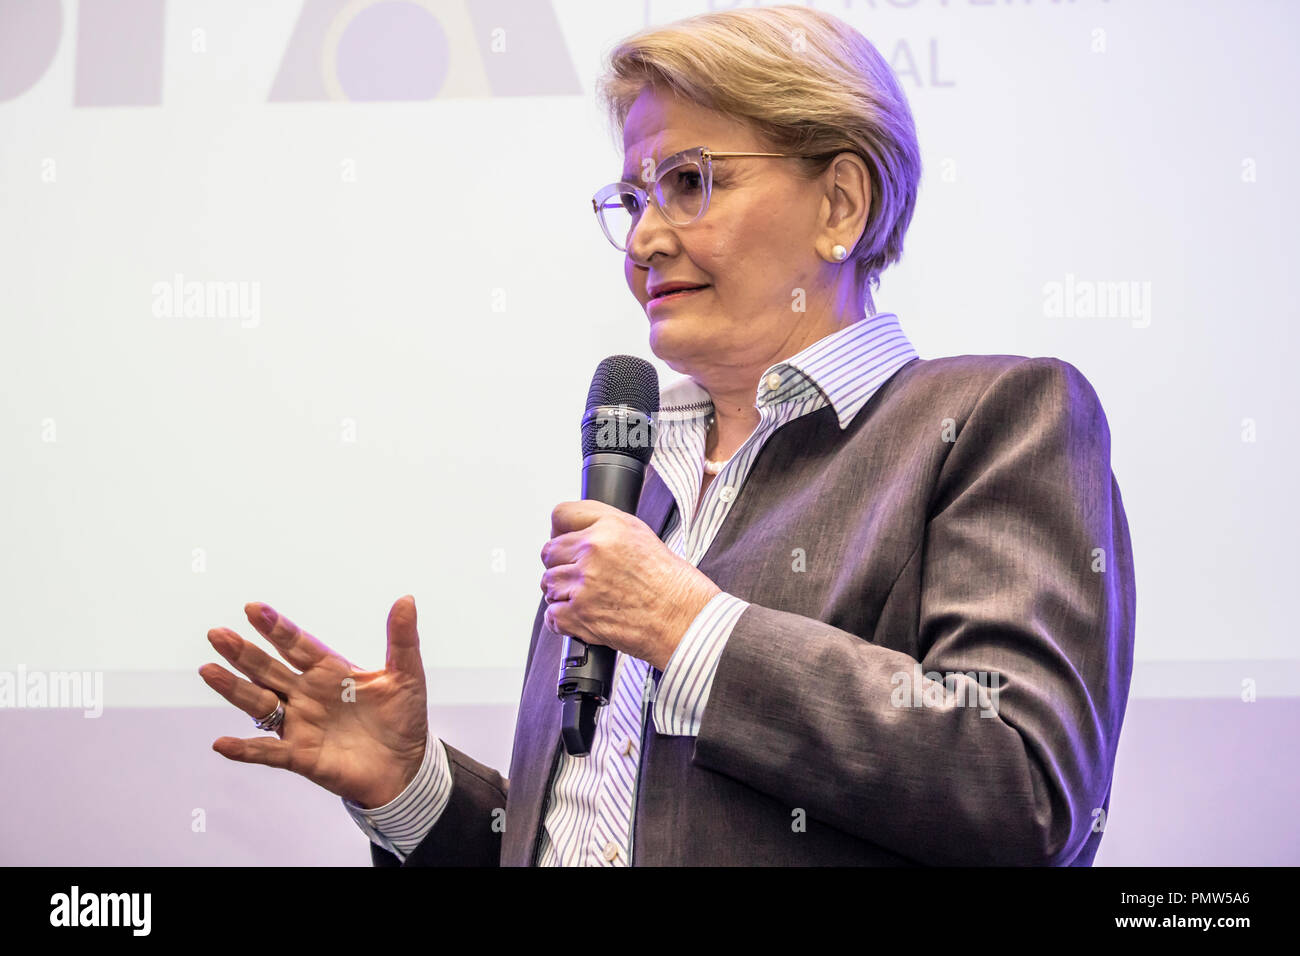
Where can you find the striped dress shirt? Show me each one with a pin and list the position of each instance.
(591, 807)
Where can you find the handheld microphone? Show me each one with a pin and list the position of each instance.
(618, 434)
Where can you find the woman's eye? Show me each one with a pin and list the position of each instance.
(688, 180)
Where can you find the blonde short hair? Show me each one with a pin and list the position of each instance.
(807, 82)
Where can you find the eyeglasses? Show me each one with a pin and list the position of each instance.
(680, 189)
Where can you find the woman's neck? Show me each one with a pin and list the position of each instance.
(732, 390)
(731, 425)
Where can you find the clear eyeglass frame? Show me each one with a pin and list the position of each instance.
(610, 203)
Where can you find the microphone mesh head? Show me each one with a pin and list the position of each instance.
(622, 380)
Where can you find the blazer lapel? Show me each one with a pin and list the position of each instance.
(656, 502)
(537, 739)
(537, 731)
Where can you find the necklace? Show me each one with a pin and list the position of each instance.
(710, 466)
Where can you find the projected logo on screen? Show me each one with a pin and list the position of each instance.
(348, 50)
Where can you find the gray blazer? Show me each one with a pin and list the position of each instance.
(966, 521)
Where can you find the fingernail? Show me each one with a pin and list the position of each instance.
(269, 616)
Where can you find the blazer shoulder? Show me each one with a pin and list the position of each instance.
(964, 372)
(1004, 392)
(951, 383)
(976, 376)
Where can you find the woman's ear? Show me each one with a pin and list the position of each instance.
(848, 193)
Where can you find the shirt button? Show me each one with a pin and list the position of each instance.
(726, 493)
(611, 851)
(627, 746)
(773, 381)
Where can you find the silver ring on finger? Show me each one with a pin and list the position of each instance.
(273, 720)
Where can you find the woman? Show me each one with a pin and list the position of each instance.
(872, 609)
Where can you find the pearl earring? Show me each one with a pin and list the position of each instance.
(839, 252)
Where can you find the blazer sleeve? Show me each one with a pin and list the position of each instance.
(1026, 576)
(468, 833)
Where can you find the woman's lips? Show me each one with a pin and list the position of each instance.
(673, 296)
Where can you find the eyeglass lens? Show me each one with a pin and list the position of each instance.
(680, 192)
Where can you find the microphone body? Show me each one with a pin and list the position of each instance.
(587, 671)
(617, 443)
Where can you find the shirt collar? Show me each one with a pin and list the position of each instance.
(847, 367)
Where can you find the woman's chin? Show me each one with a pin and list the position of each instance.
(676, 340)
(669, 331)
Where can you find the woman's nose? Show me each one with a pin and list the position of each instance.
(652, 233)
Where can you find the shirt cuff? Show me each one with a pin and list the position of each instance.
(400, 825)
(688, 677)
